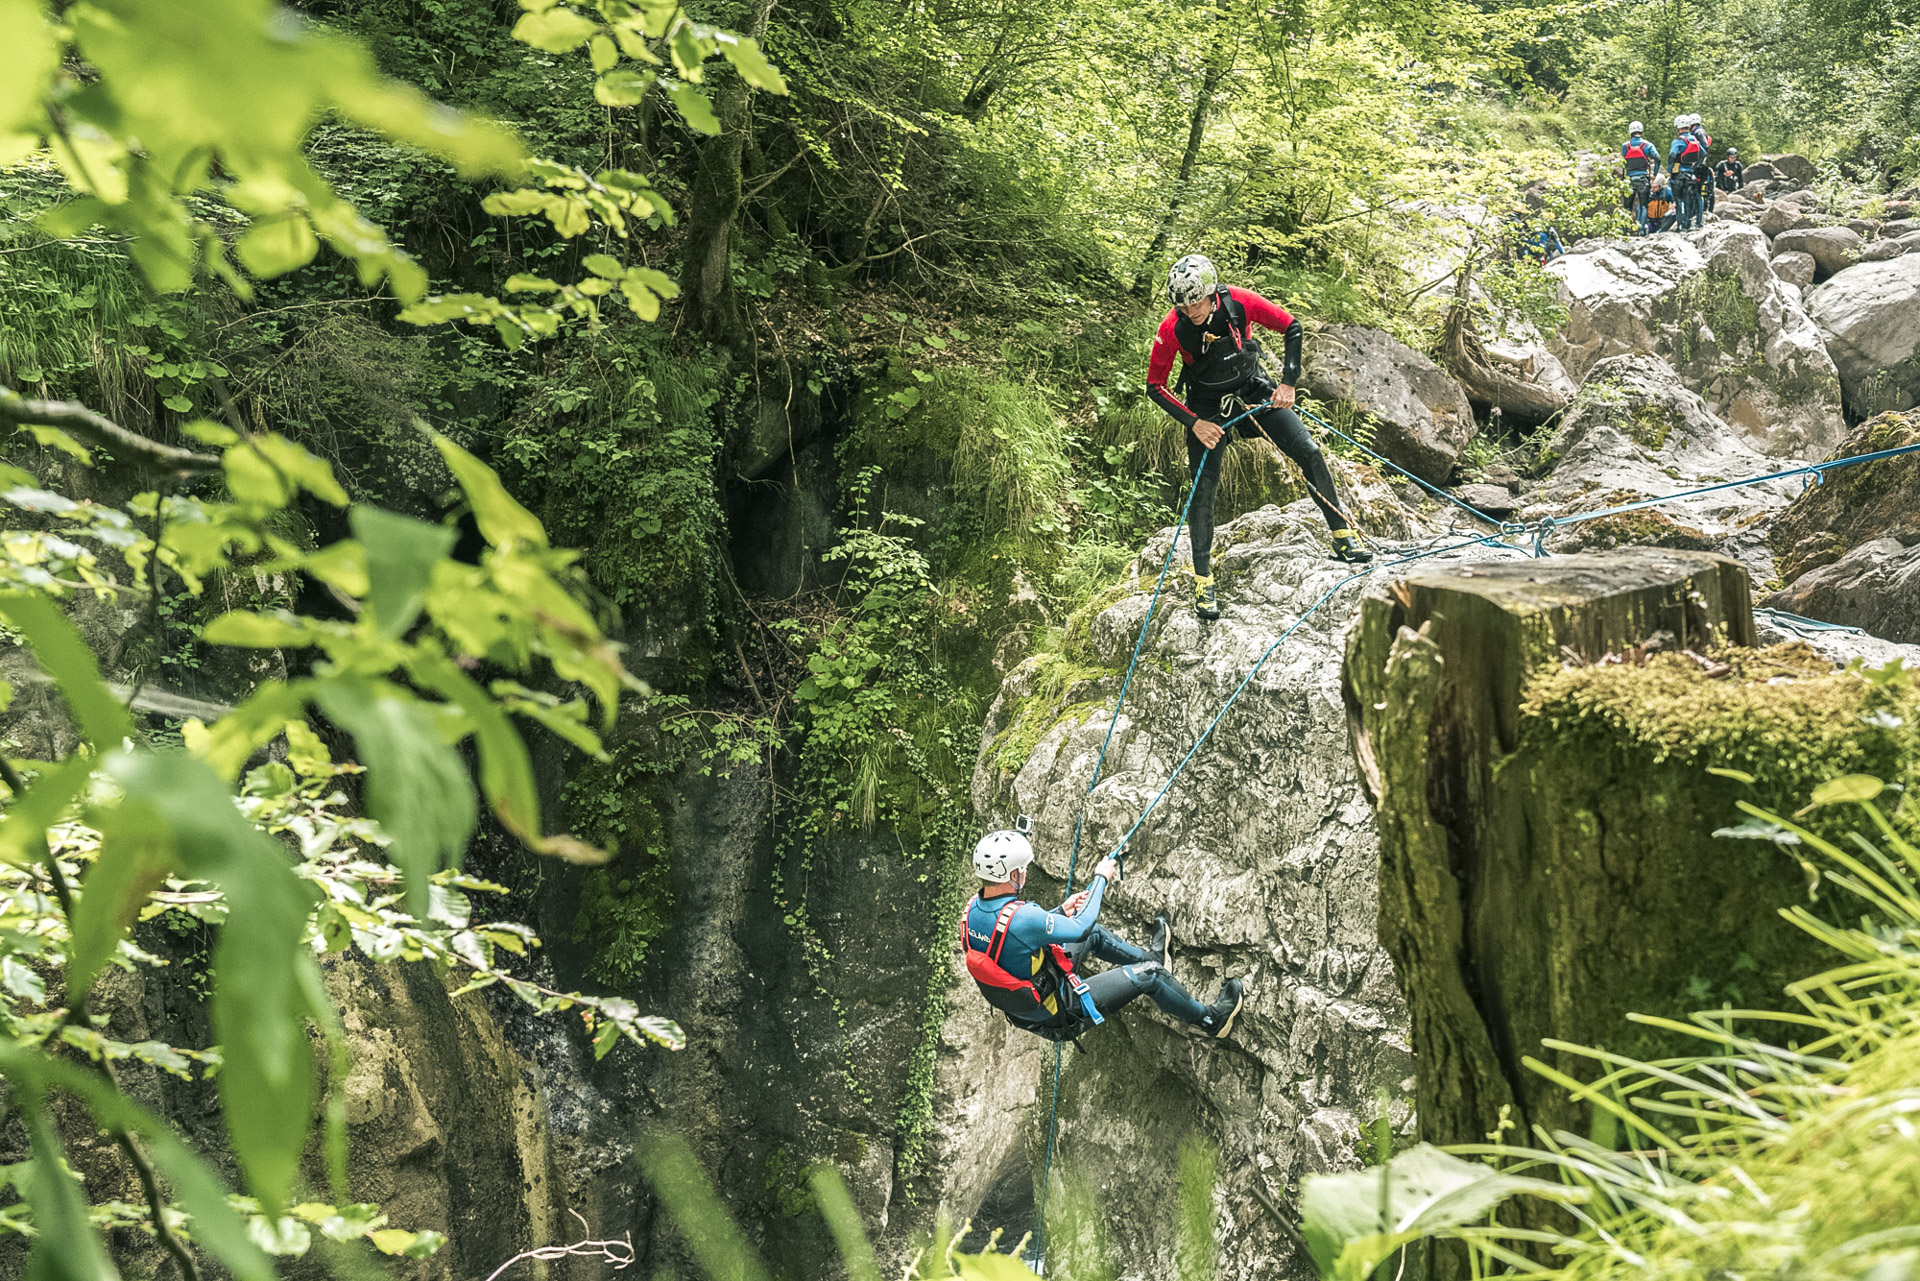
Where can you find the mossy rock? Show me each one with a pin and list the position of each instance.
(1854, 505)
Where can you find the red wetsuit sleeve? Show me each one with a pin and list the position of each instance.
(1160, 365)
(1262, 312)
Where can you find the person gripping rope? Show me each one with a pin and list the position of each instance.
(1025, 959)
(1210, 329)
(1642, 161)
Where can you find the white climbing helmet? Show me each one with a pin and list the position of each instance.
(1192, 279)
(1636, 128)
(1679, 123)
(1693, 120)
(1000, 854)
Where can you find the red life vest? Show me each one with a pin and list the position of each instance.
(1690, 154)
(1017, 996)
(1640, 156)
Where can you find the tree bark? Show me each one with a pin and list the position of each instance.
(706, 281)
(1521, 402)
(1196, 135)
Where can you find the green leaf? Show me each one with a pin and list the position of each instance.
(694, 106)
(688, 51)
(305, 752)
(604, 265)
(745, 54)
(417, 787)
(515, 204)
(65, 1247)
(273, 247)
(246, 630)
(603, 53)
(23, 981)
(401, 554)
(523, 283)
(503, 521)
(54, 438)
(1352, 1222)
(506, 771)
(622, 87)
(133, 862)
(558, 30)
(1738, 776)
(1848, 787)
(265, 983)
(33, 56)
(65, 657)
(406, 1245)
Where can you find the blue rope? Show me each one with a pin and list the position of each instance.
(1073, 861)
(1797, 623)
(1435, 490)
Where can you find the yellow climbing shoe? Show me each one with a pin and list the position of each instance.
(1205, 603)
(1346, 546)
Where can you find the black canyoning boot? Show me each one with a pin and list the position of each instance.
(1218, 1020)
(1346, 546)
(1205, 603)
(1162, 944)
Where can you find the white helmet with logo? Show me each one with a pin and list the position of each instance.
(1192, 279)
(1000, 854)
(1680, 122)
(1636, 127)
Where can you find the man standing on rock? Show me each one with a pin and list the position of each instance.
(1210, 329)
(1682, 155)
(1642, 161)
(1023, 956)
(1733, 174)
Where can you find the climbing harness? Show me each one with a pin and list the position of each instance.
(1021, 999)
(1539, 529)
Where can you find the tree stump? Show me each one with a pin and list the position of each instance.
(1538, 882)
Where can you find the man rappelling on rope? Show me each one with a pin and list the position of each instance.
(1210, 327)
(1023, 957)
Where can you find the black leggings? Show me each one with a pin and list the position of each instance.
(1138, 974)
(1286, 430)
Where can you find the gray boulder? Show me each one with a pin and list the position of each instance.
(1869, 316)
(1793, 168)
(1708, 304)
(1783, 215)
(1876, 587)
(1881, 250)
(1760, 171)
(1893, 228)
(1863, 227)
(1424, 417)
(1833, 248)
(1794, 267)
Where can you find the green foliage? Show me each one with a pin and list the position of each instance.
(1775, 1146)
(627, 904)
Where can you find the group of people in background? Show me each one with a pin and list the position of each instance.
(1679, 198)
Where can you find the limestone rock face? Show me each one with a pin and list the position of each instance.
(1795, 268)
(1869, 316)
(1264, 855)
(1832, 248)
(1424, 416)
(1709, 304)
(1635, 432)
(1853, 505)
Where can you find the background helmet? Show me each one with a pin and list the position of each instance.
(1680, 122)
(1192, 279)
(1000, 854)
(1733, 151)
(1636, 127)
(1693, 119)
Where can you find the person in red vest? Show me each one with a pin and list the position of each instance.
(1210, 331)
(1025, 959)
(1642, 161)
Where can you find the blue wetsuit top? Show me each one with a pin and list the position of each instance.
(1641, 151)
(1032, 930)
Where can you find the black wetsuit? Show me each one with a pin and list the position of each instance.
(1222, 379)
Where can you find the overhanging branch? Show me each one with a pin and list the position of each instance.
(83, 422)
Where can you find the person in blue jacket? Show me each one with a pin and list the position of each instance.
(1683, 155)
(1025, 958)
(1642, 161)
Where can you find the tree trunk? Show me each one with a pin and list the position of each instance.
(1196, 134)
(1547, 854)
(1521, 402)
(706, 280)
